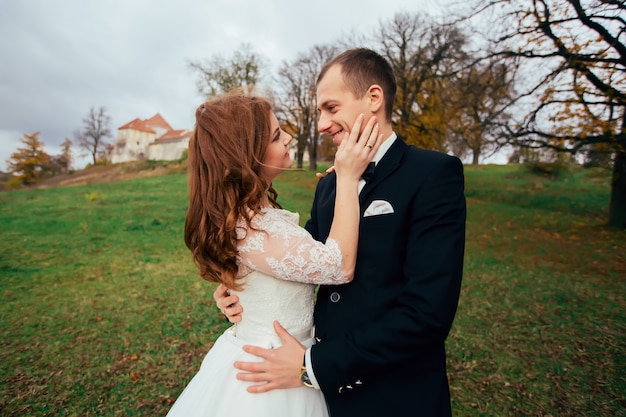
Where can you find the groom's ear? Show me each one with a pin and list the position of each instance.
(376, 98)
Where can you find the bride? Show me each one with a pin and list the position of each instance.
(241, 237)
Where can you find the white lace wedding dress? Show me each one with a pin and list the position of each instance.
(283, 263)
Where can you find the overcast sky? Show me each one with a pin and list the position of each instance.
(60, 58)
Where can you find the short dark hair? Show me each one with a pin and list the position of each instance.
(361, 68)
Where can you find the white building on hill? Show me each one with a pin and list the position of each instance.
(152, 139)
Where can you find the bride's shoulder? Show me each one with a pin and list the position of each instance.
(277, 214)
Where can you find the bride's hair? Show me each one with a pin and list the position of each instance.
(230, 138)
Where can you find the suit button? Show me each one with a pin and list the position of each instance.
(335, 297)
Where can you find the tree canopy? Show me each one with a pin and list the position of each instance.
(92, 136)
(296, 102)
(574, 91)
(218, 75)
(30, 163)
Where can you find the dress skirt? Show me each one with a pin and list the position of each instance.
(215, 392)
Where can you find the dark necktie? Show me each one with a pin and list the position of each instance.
(369, 172)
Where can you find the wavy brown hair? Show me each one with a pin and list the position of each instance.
(224, 165)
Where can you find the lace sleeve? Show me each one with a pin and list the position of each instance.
(283, 249)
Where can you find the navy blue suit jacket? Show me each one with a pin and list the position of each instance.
(381, 338)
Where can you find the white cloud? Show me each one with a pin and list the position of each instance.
(61, 58)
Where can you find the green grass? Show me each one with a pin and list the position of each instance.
(103, 313)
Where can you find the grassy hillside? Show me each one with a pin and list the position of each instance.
(103, 313)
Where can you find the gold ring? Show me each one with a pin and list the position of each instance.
(369, 146)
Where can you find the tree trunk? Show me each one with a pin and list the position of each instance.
(299, 157)
(301, 148)
(313, 155)
(312, 163)
(475, 155)
(617, 206)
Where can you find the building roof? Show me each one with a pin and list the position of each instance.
(174, 135)
(147, 125)
(137, 124)
(158, 121)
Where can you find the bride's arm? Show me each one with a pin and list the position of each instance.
(282, 249)
(351, 159)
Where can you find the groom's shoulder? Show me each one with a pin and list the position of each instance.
(411, 151)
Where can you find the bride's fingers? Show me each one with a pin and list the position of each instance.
(378, 140)
(370, 129)
(358, 132)
(370, 140)
(362, 141)
(359, 136)
(356, 129)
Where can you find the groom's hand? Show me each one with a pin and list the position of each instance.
(281, 368)
(319, 175)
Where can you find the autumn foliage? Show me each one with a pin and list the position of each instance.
(30, 163)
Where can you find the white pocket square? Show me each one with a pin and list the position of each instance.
(378, 207)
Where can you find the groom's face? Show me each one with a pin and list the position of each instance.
(338, 107)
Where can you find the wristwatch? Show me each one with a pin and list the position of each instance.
(304, 378)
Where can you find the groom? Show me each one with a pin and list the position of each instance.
(380, 339)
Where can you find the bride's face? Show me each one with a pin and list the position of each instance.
(277, 157)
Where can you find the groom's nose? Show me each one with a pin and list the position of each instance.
(323, 123)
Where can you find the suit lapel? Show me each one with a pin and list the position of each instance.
(385, 167)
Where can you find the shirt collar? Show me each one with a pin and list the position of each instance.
(384, 147)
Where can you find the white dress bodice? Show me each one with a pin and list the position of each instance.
(266, 299)
(281, 264)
